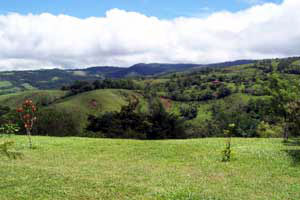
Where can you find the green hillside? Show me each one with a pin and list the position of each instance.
(98, 101)
(40, 97)
(84, 104)
(81, 168)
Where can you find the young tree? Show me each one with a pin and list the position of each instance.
(27, 115)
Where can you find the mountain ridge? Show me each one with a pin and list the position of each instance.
(15, 81)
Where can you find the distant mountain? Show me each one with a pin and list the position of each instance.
(154, 69)
(14, 81)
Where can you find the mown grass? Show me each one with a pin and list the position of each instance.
(80, 168)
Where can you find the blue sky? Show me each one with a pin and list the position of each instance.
(38, 34)
(165, 9)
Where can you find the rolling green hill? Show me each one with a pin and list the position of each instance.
(84, 104)
(40, 97)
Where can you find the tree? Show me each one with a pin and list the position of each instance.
(282, 92)
(293, 109)
(27, 115)
(189, 111)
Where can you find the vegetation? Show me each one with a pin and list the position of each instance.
(17, 81)
(27, 114)
(232, 100)
(77, 168)
(6, 149)
(227, 152)
(258, 97)
(127, 123)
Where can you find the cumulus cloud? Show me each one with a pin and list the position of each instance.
(252, 1)
(123, 38)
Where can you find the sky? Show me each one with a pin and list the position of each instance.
(66, 34)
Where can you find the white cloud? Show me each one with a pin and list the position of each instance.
(124, 38)
(252, 2)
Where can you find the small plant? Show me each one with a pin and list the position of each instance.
(9, 129)
(227, 152)
(27, 115)
(5, 149)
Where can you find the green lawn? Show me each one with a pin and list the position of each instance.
(81, 168)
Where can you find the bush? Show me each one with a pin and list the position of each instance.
(189, 111)
(265, 130)
(9, 128)
(130, 124)
(57, 122)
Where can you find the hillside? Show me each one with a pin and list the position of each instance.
(95, 102)
(16, 81)
(81, 168)
(40, 97)
(202, 101)
(88, 103)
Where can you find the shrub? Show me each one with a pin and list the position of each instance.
(189, 111)
(9, 128)
(130, 124)
(265, 130)
(57, 122)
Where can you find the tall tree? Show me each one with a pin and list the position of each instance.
(282, 92)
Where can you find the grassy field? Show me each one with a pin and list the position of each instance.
(81, 168)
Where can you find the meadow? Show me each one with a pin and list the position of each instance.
(83, 168)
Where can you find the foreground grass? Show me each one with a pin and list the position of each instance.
(80, 168)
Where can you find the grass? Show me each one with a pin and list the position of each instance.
(79, 73)
(297, 62)
(4, 84)
(55, 78)
(106, 100)
(98, 101)
(16, 99)
(81, 168)
(9, 90)
(27, 86)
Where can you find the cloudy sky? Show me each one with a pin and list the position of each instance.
(37, 34)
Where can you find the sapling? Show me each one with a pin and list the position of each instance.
(27, 115)
(227, 152)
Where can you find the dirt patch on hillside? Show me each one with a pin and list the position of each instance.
(167, 103)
